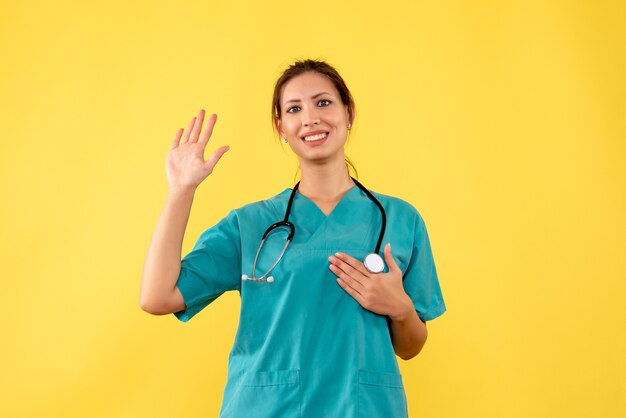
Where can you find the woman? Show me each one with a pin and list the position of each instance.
(319, 332)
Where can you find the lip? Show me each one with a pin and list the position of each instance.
(313, 133)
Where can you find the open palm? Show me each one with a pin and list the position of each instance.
(185, 165)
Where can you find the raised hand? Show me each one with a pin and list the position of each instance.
(185, 165)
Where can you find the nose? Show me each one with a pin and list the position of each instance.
(310, 116)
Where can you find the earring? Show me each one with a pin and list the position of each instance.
(284, 139)
(349, 125)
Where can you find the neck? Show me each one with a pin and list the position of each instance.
(325, 181)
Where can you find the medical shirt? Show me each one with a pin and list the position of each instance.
(304, 346)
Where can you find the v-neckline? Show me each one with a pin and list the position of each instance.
(334, 209)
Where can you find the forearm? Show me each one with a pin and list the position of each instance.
(408, 333)
(162, 264)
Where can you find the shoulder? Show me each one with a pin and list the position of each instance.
(271, 206)
(398, 206)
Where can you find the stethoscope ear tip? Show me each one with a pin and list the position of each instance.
(269, 279)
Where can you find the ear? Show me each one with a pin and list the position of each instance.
(277, 125)
(350, 114)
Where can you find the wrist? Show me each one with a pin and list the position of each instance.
(182, 190)
(405, 311)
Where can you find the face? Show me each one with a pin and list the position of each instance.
(313, 119)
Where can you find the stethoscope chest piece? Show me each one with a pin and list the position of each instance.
(374, 263)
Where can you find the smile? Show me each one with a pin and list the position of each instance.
(316, 137)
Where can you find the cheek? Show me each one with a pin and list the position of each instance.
(290, 128)
(338, 120)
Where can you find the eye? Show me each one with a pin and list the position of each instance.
(325, 101)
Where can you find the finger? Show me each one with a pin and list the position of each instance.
(356, 295)
(391, 263)
(215, 157)
(176, 138)
(352, 263)
(350, 273)
(208, 130)
(197, 127)
(351, 281)
(189, 128)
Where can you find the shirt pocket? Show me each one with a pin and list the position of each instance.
(267, 394)
(381, 394)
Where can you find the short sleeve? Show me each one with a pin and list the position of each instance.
(211, 268)
(420, 279)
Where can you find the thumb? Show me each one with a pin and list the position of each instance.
(215, 157)
(389, 259)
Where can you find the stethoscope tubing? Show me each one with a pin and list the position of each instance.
(292, 231)
(382, 212)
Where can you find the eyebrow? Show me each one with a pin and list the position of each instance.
(312, 97)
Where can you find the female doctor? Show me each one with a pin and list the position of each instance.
(322, 319)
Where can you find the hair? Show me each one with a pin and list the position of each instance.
(324, 69)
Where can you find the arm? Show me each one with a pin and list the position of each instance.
(158, 294)
(408, 333)
(383, 293)
(186, 169)
(397, 298)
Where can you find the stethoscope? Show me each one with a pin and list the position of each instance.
(373, 262)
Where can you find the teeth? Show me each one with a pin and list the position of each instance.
(315, 137)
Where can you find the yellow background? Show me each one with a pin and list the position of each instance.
(502, 122)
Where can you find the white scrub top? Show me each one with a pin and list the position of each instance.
(305, 347)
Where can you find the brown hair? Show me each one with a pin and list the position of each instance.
(324, 69)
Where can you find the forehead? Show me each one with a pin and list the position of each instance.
(305, 85)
